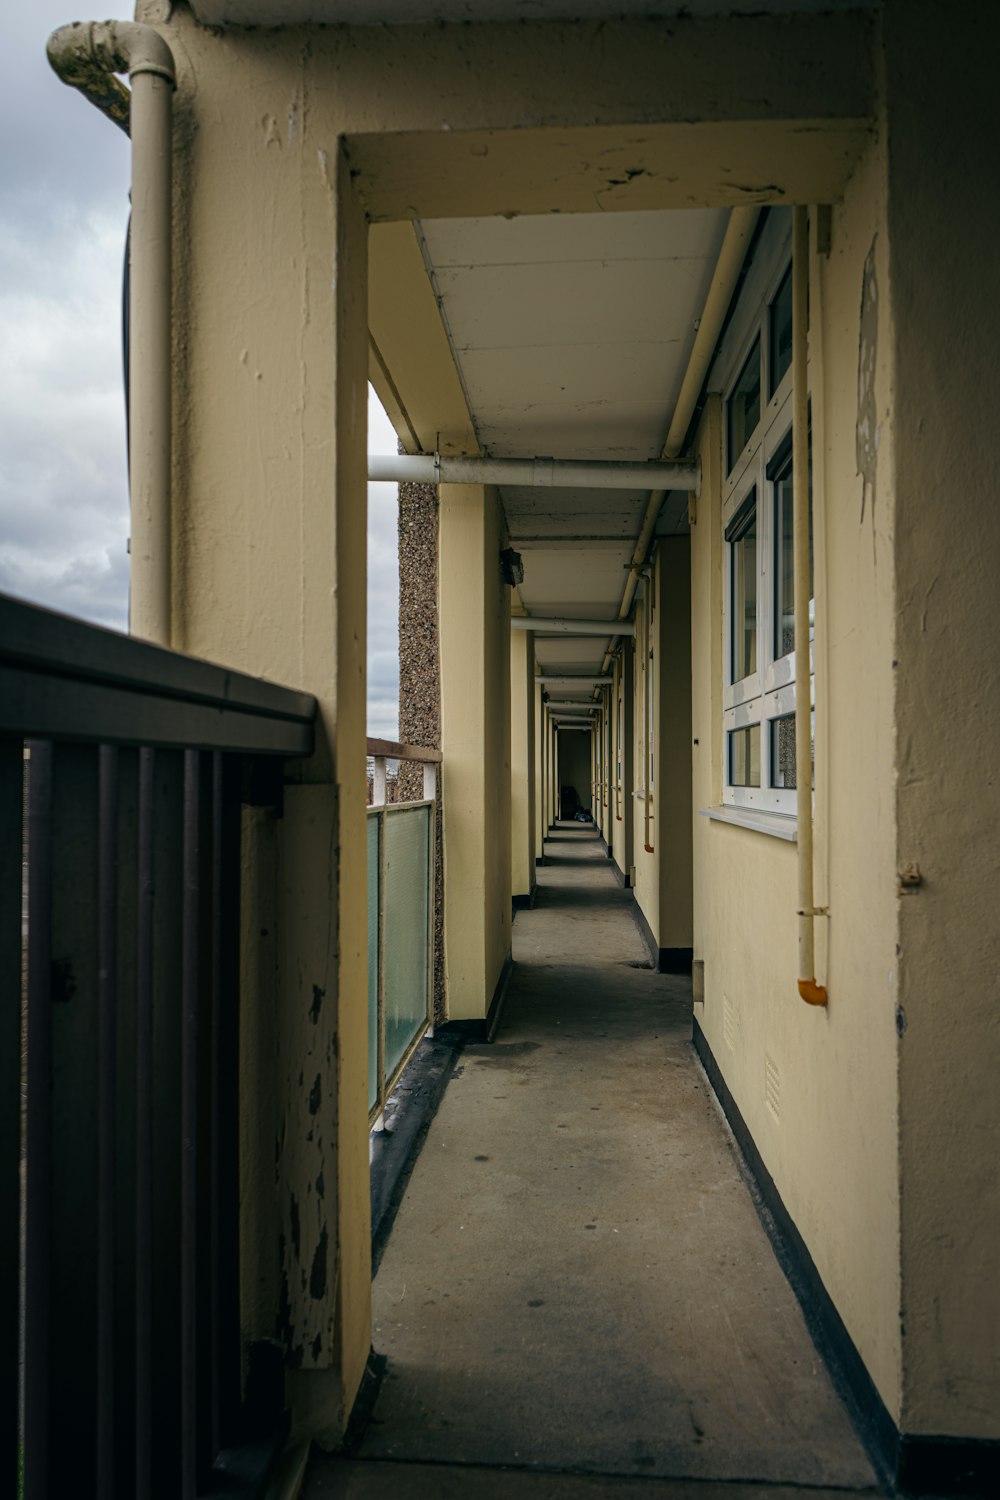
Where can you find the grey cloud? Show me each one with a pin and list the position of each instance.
(63, 484)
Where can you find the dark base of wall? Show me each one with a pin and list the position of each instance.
(522, 902)
(665, 960)
(484, 1029)
(675, 960)
(620, 875)
(394, 1151)
(645, 932)
(364, 1402)
(910, 1464)
(539, 859)
(948, 1466)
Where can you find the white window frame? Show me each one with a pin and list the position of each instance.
(768, 693)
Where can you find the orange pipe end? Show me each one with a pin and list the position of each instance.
(811, 992)
(648, 848)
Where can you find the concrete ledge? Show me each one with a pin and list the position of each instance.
(290, 1474)
(394, 1151)
(910, 1463)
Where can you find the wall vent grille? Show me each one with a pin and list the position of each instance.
(772, 1085)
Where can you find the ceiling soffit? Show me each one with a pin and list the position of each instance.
(571, 335)
(396, 12)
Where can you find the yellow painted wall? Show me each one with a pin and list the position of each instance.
(663, 877)
(647, 869)
(538, 732)
(673, 719)
(944, 227)
(831, 1146)
(269, 536)
(475, 741)
(522, 762)
(271, 356)
(618, 775)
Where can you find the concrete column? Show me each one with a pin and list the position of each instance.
(475, 741)
(628, 760)
(538, 754)
(935, 490)
(673, 751)
(608, 793)
(420, 676)
(269, 576)
(522, 768)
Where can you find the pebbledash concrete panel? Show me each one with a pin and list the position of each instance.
(577, 1279)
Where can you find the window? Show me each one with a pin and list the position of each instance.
(779, 322)
(743, 407)
(742, 538)
(758, 534)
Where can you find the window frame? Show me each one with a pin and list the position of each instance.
(768, 693)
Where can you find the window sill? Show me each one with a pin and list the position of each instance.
(774, 825)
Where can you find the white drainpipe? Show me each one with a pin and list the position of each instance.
(809, 990)
(87, 55)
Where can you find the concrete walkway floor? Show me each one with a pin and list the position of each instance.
(578, 1299)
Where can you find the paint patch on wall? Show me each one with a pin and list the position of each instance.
(728, 1023)
(866, 434)
(772, 1085)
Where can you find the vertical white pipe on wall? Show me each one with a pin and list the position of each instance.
(809, 990)
(87, 55)
(149, 363)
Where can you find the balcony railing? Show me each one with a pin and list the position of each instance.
(123, 768)
(401, 918)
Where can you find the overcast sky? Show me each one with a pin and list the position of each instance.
(64, 174)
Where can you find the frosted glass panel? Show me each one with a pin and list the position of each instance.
(406, 916)
(373, 825)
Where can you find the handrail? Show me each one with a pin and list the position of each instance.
(66, 679)
(393, 750)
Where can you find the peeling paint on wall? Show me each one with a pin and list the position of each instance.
(866, 437)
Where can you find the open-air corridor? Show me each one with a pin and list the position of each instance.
(578, 1298)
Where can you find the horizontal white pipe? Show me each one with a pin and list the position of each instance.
(542, 626)
(549, 473)
(570, 682)
(565, 703)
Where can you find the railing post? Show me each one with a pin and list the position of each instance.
(383, 860)
(430, 781)
(378, 782)
(38, 1192)
(11, 843)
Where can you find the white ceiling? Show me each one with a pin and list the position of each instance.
(382, 12)
(571, 334)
